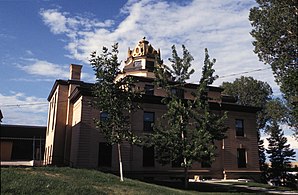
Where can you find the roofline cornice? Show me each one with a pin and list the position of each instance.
(65, 82)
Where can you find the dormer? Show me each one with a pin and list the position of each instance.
(143, 58)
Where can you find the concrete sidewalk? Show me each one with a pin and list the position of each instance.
(256, 189)
(30, 163)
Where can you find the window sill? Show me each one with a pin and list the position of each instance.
(241, 137)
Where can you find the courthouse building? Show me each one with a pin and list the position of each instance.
(72, 139)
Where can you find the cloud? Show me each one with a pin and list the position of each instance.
(47, 71)
(220, 26)
(55, 20)
(6, 36)
(31, 80)
(29, 53)
(44, 68)
(19, 109)
(60, 22)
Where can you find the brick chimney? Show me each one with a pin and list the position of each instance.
(75, 72)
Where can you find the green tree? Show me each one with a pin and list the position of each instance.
(275, 31)
(280, 156)
(262, 160)
(114, 96)
(276, 110)
(251, 92)
(188, 128)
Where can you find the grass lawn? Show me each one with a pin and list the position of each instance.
(53, 180)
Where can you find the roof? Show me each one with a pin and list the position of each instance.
(66, 82)
(22, 131)
(187, 85)
(227, 104)
(223, 106)
(85, 90)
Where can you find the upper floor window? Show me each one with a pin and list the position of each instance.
(54, 105)
(239, 125)
(241, 158)
(148, 121)
(178, 92)
(137, 63)
(149, 89)
(150, 66)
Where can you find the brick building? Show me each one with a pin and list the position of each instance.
(72, 139)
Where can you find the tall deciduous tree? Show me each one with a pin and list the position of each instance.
(189, 129)
(115, 98)
(275, 31)
(251, 92)
(280, 155)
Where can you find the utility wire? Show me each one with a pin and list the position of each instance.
(25, 104)
(245, 72)
(30, 104)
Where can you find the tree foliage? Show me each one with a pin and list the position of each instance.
(114, 97)
(275, 31)
(251, 92)
(280, 156)
(262, 160)
(276, 110)
(188, 129)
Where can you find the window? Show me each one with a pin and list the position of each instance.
(45, 156)
(206, 163)
(239, 125)
(148, 156)
(103, 116)
(178, 92)
(54, 112)
(149, 89)
(137, 63)
(104, 155)
(241, 158)
(150, 66)
(49, 119)
(51, 154)
(148, 121)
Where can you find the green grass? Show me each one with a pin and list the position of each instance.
(53, 180)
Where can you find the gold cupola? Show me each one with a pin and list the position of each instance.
(143, 58)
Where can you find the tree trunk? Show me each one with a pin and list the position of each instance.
(185, 175)
(120, 162)
(185, 163)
